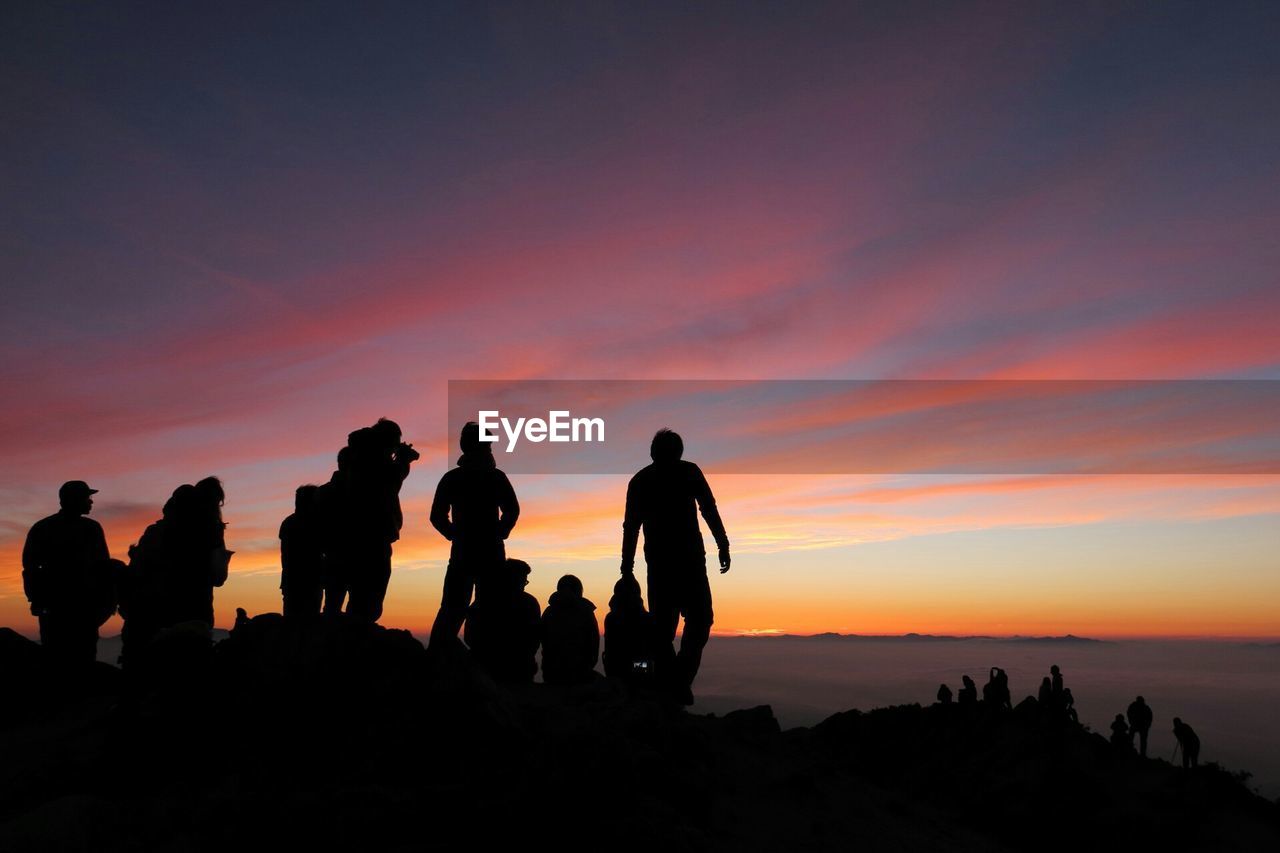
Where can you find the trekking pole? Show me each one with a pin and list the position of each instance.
(1175, 751)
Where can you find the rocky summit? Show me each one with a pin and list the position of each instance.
(329, 735)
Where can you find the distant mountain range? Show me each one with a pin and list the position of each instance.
(922, 638)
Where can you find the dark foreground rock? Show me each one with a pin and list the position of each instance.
(333, 736)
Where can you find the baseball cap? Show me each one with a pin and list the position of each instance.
(75, 488)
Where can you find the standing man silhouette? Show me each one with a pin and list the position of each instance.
(663, 500)
(475, 509)
(67, 577)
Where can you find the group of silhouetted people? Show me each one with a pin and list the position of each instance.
(335, 555)
(335, 549)
(1054, 700)
(74, 586)
(475, 508)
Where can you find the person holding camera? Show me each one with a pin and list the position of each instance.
(380, 463)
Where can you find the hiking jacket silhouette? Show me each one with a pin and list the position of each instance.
(61, 561)
(468, 501)
(570, 639)
(663, 499)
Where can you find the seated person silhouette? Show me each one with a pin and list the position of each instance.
(996, 691)
(944, 694)
(475, 508)
(968, 692)
(1069, 705)
(503, 626)
(1055, 685)
(663, 500)
(628, 634)
(1045, 695)
(570, 635)
(1120, 734)
(68, 577)
(1188, 742)
(302, 556)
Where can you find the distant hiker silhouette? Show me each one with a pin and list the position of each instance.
(475, 508)
(1069, 705)
(1120, 734)
(68, 576)
(379, 465)
(1045, 696)
(663, 500)
(302, 556)
(1056, 684)
(1188, 742)
(995, 692)
(944, 694)
(503, 628)
(570, 635)
(628, 634)
(1140, 719)
(968, 692)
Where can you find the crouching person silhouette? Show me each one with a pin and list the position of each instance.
(475, 509)
(503, 627)
(570, 635)
(663, 500)
(628, 634)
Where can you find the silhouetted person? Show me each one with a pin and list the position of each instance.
(173, 570)
(628, 634)
(996, 691)
(1045, 696)
(67, 576)
(1056, 684)
(1069, 705)
(1120, 734)
(1140, 719)
(968, 692)
(302, 556)
(380, 464)
(333, 500)
(475, 508)
(503, 628)
(944, 694)
(1188, 741)
(663, 500)
(570, 635)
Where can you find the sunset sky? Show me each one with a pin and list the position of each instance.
(231, 235)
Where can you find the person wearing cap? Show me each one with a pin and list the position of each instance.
(66, 575)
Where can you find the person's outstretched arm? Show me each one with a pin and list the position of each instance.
(440, 510)
(631, 521)
(711, 514)
(509, 506)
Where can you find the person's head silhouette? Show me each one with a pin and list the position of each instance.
(74, 497)
(305, 498)
(211, 491)
(470, 441)
(386, 433)
(569, 587)
(667, 446)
